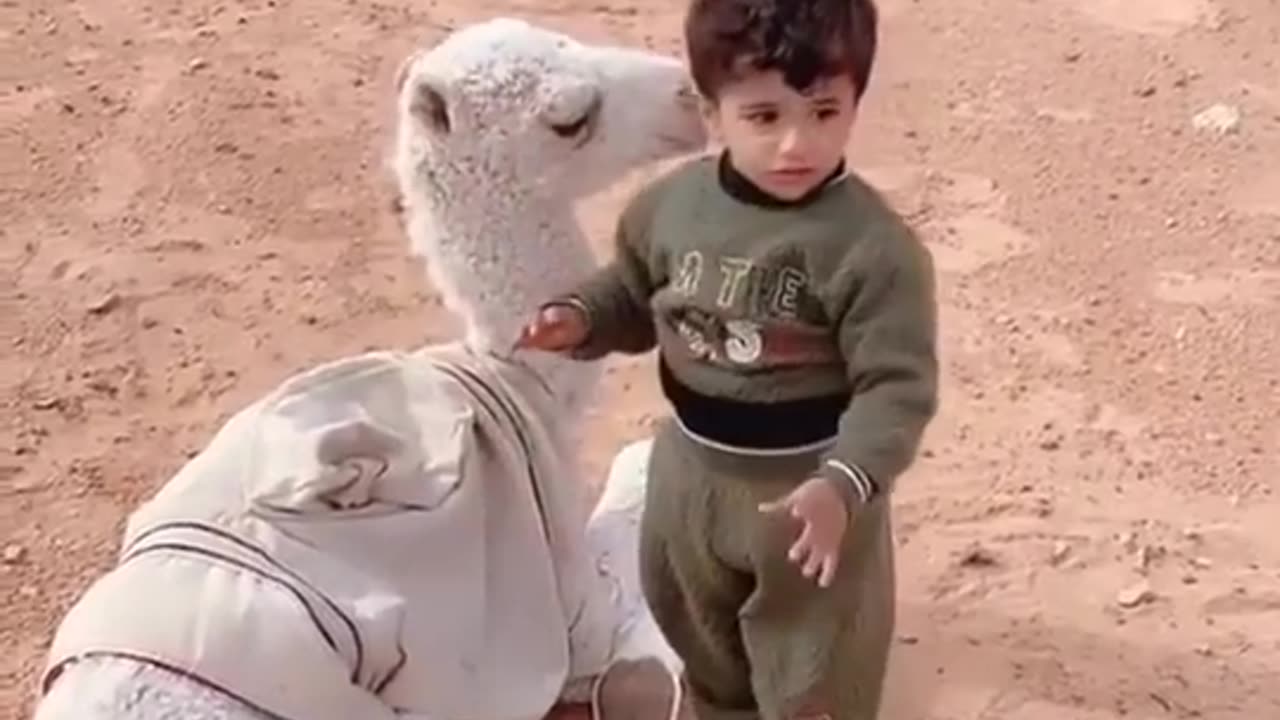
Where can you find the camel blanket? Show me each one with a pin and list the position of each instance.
(392, 535)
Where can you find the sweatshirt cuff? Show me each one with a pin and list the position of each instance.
(855, 485)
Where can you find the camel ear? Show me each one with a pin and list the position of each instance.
(427, 104)
(402, 72)
(430, 108)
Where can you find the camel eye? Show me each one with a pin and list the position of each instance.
(579, 128)
(572, 129)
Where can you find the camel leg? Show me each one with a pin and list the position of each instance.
(642, 681)
(613, 540)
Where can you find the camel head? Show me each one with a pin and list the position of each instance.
(527, 105)
(501, 128)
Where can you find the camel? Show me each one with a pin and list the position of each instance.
(400, 534)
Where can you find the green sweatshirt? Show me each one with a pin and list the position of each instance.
(755, 303)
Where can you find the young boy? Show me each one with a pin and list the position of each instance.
(795, 318)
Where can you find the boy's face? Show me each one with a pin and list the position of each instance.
(784, 141)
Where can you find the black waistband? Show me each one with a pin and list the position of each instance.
(766, 426)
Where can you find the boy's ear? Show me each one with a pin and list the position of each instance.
(707, 107)
(710, 112)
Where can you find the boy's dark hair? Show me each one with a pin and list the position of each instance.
(803, 39)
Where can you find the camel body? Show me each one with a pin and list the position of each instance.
(400, 535)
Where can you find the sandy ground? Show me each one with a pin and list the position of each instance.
(193, 205)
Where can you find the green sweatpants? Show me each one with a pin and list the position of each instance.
(758, 638)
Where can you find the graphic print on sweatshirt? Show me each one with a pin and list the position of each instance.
(742, 313)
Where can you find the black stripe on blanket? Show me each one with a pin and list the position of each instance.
(55, 672)
(347, 622)
(513, 417)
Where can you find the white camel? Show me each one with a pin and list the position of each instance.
(400, 535)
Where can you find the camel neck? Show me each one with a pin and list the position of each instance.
(496, 289)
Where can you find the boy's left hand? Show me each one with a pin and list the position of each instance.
(819, 505)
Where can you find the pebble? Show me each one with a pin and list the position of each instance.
(1218, 118)
(1146, 554)
(105, 305)
(13, 554)
(978, 556)
(1135, 595)
(197, 64)
(1060, 551)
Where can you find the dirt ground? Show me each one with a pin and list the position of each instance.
(193, 204)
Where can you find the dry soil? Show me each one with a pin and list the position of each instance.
(193, 204)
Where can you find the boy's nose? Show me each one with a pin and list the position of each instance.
(792, 143)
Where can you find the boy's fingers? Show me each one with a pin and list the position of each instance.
(542, 334)
(829, 565)
(802, 543)
(814, 562)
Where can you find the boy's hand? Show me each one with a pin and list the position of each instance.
(556, 328)
(821, 508)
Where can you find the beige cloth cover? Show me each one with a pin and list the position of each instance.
(392, 535)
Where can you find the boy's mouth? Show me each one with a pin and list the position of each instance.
(791, 175)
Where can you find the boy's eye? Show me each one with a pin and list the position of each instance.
(826, 113)
(763, 117)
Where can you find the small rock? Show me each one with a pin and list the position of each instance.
(908, 639)
(1202, 563)
(1145, 555)
(27, 591)
(977, 556)
(1219, 118)
(13, 554)
(197, 64)
(105, 305)
(1060, 551)
(1050, 444)
(1135, 595)
(51, 403)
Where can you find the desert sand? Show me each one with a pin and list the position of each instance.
(193, 204)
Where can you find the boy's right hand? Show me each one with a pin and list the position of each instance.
(556, 328)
